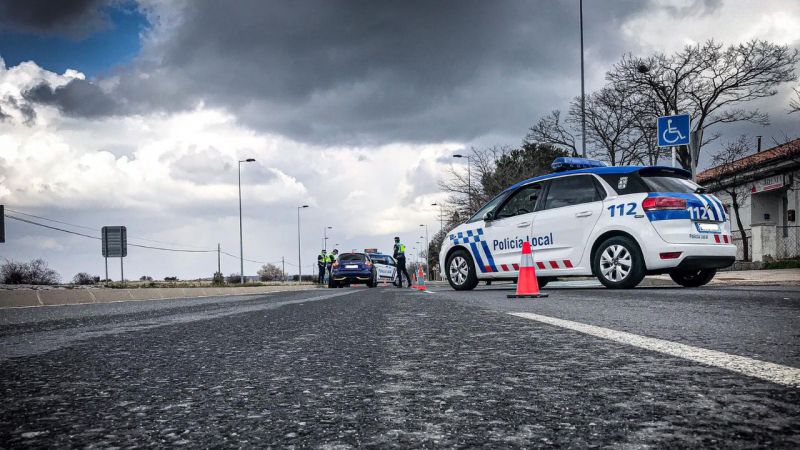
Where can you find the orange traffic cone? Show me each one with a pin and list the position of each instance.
(413, 281)
(527, 285)
(420, 280)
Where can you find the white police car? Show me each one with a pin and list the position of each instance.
(616, 223)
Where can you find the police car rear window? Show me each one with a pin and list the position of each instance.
(658, 183)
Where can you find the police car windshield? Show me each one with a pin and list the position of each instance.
(491, 206)
(352, 257)
(665, 183)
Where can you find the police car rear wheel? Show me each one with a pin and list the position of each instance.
(461, 271)
(693, 278)
(618, 263)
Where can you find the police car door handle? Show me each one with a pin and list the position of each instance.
(523, 225)
(583, 214)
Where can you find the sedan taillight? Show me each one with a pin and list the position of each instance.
(661, 203)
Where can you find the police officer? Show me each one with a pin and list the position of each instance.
(332, 259)
(322, 261)
(400, 256)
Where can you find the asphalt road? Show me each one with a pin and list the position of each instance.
(393, 367)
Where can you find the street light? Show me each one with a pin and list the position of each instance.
(469, 179)
(325, 238)
(299, 262)
(441, 215)
(583, 94)
(427, 249)
(241, 239)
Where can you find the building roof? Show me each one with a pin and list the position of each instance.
(789, 150)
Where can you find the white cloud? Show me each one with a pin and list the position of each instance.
(176, 181)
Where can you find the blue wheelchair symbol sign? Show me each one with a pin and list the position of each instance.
(673, 130)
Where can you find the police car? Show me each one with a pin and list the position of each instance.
(385, 267)
(616, 223)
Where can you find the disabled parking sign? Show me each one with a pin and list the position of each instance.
(673, 130)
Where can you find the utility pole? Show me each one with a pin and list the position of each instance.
(283, 268)
(219, 264)
(583, 94)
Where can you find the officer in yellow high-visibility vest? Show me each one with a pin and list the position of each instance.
(400, 256)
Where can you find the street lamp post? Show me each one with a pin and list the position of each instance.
(427, 249)
(469, 179)
(441, 215)
(325, 238)
(241, 238)
(583, 94)
(299, 262)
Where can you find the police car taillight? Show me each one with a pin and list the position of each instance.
(657, 203)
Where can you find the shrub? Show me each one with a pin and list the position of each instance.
(234, 278)
(270, 272)
(83, 278)
(170, 278)
(145, 278)
(34, 272)
(218, 278)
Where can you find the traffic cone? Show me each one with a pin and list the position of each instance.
(413, 281)
(527, 285)
(421, 280)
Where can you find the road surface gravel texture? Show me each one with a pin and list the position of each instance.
(386, 367)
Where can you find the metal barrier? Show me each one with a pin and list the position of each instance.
(736, 236)
(787, 241)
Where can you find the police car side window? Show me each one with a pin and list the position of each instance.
(570, 191)
(521, 202)
(626, 183)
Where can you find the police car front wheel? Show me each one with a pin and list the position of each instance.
(618, 263)
(461, 271)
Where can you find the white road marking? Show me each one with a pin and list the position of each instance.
(776, 373)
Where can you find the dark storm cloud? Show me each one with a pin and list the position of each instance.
(78, 98)
(376, 71)
(24, 108)
(74, 18)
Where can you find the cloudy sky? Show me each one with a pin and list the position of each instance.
(135, 113)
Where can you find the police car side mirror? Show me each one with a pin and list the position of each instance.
(488, 217)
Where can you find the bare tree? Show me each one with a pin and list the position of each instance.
(794, 105)
(611, 126)
(707, 81)
(553, 131)
(730, 179)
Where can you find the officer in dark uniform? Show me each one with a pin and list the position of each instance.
(322, 261)
(400, 256)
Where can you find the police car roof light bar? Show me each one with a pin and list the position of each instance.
(569, 163)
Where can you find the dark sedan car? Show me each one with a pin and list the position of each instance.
(352, 268)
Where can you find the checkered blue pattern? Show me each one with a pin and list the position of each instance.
(466, 237)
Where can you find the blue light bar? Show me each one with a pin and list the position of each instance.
(568, 163)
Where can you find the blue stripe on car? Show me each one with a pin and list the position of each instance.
(489, 256)
(477, 256)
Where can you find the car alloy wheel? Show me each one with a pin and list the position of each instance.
(459, 270)
(615, 263)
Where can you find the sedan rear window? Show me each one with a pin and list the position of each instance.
(352, 257)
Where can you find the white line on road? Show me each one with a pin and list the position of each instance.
(775, 373)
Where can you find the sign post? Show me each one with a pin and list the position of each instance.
(674, 131)
(115, 245)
